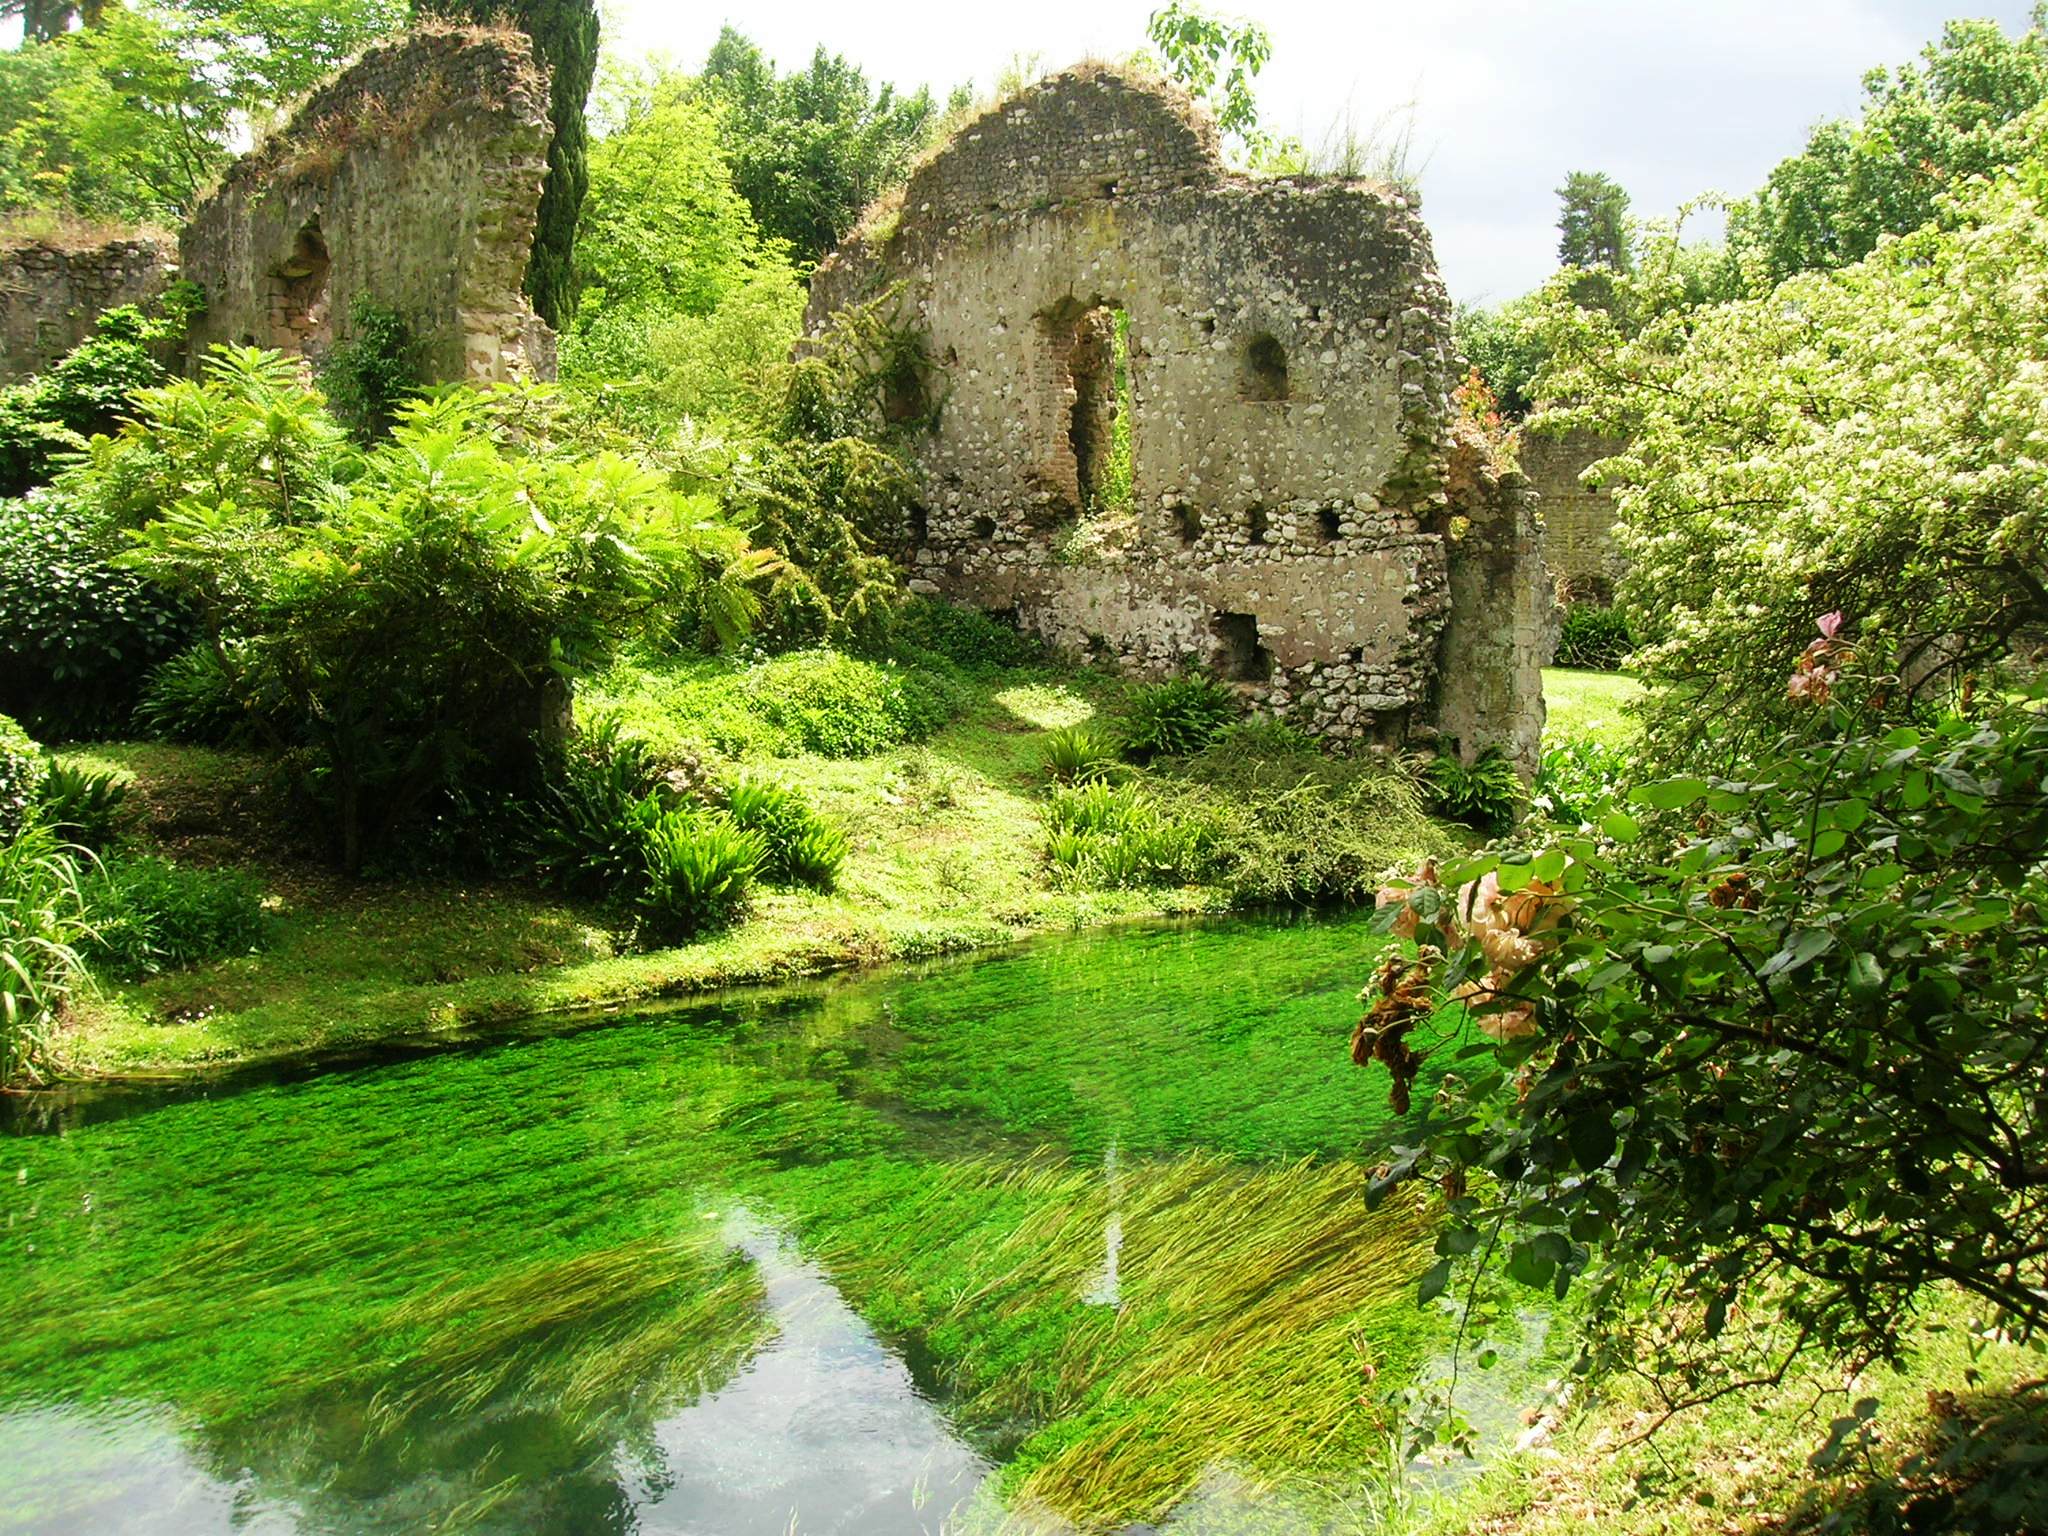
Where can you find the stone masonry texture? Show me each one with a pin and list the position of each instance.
(413, 176)
(1305, 523)
(52, 291)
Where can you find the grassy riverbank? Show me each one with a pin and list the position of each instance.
(946, 854)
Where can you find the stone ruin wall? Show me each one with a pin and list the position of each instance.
(413, 176)
(1293, 521)
(1578, 520)
(52, 290)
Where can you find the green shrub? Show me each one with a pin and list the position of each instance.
(76, 635)
(966, 637)
(801, 847)
(375, 368)
(841, 706)
(1594, 638)
(190, 697)
(1485, 793)
(1778, 1050)
(42, 922)
(1078, 752)
(84, 392)
(85, 806)
(1112, 835)
(23, 768)
(595, 812)
(1293, 824)
(700, 869)
(406, 616)
(1177, 718)
(150, 915)
(1576, 779)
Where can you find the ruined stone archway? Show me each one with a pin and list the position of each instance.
(1287, 426)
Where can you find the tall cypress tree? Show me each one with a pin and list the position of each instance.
(564, 34)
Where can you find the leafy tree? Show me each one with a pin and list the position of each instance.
(1866, 440)
(274, 50)
(1925, 130)
(564, 34)
(1216, 60)
(663, 227)
(133, 116)
(400, 622)
(1755, 1061)
(1506, 344)
(1592, 223)
(811, 150)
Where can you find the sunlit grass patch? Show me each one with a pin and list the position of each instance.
(1589, 705)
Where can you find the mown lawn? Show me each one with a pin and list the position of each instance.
(1588, 705)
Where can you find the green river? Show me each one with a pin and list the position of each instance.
(1066, 1238)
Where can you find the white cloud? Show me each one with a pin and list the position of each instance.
(1672, 99)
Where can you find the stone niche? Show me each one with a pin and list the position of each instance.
(412, 176)
(1294, 524)
(52, 289)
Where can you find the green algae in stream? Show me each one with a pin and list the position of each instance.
(465, 1291)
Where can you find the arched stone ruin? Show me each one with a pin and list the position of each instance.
(413, 177)
(1303, 519)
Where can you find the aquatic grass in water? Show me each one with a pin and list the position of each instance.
(1255, 1308)
(498, 1290)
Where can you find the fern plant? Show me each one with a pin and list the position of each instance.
(1078, 752)
(84, 805)
(699, 871)
(1177, 718)
(801, 847)
(1486, 793)
(596, 812)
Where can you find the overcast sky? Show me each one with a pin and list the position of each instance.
(1672, 99)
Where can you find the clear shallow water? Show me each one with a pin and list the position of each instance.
(939, 1250)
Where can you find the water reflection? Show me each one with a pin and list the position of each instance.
(822, 1431)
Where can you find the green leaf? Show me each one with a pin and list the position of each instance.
(1621, 826)
(1866, 976)
(1803, 947)
(1550, 864)
(1669, 794)
(1829, 843)
(1433, 1283)
(1592, 1137)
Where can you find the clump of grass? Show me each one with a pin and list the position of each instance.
(1113, 837)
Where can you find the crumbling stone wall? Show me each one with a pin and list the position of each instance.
(1288, 352)
(1490, 658)
(413, 176)
(1578, 519)
(53, 289)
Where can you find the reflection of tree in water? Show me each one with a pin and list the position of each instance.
(519, 1403)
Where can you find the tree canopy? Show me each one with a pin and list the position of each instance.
(810, 150)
